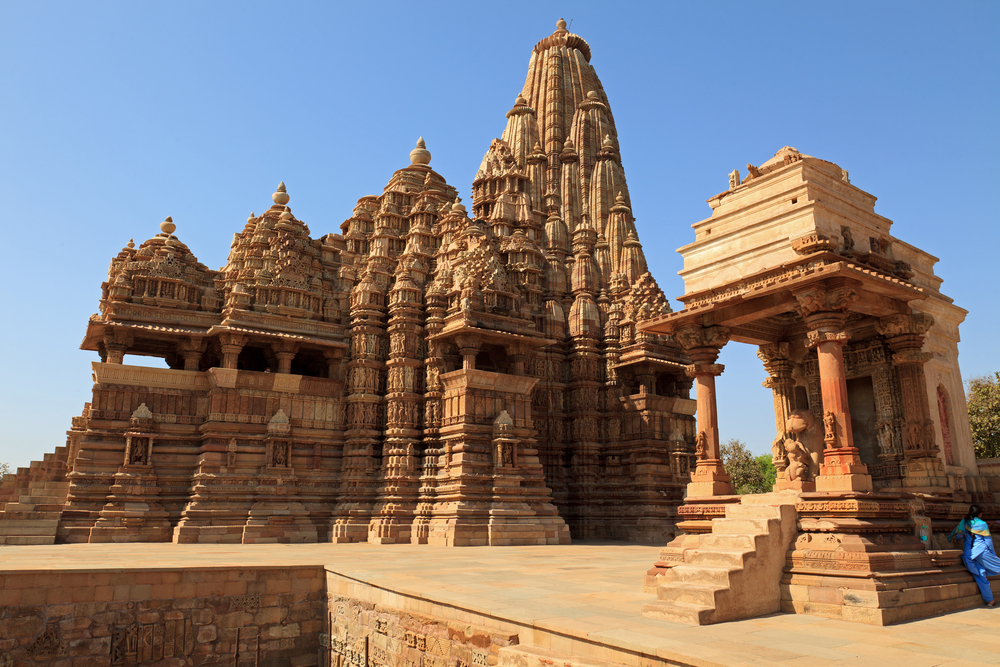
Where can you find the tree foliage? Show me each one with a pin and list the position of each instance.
(747, 472)
(984, 415)
(4, 469)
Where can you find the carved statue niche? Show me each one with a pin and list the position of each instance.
(803, 428)
(504, 442)
(278, 449)
(139, 438)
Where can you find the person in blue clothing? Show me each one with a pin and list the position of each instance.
(978, 553)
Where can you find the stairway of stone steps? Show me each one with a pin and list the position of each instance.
(733, 572)
(41, 491)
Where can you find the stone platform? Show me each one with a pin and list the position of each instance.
(70, 605)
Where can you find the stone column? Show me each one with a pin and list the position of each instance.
(703, 345)
(232, 344)
(905, 334)
(285, 353)
(192, 350)
(334, 359)
(468, 347)
(116, 343)
(825, 309)
(779, 365)
(518, 355)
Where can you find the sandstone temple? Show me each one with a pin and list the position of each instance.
(508, 372)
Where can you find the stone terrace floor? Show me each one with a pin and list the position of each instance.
(590, 589)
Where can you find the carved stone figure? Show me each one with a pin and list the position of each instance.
(802, 427)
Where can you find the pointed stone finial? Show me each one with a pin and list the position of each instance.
(251, 218)
(131, 243)
(537, 148)
(592, 95)
(286, 215)
(280, 197)
(620, 199)
(142, 412)
(420, 154)
(520, 101)
(607, 144)
(458, 207)
(168, 226)
(561, 24)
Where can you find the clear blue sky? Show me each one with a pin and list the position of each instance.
(115, 115)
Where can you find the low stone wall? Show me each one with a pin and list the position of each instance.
(364, 634)
(170, 617)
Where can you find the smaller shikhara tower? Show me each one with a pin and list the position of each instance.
(431, 375)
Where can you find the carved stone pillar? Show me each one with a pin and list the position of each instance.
(284, 351)
(192, 350)
(824, 308)
(905, 334)
(232, 344)
(116, 344)
(779, 365)
(518, 355)
(703, 345)
(334, 362)
(468, 347)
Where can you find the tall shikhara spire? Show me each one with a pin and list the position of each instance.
(561, 135)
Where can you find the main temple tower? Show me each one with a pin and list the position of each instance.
(431, 375)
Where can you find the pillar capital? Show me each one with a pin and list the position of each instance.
(898, 326)
(694, 337)
(817, 338)
(698, 370)
(824, 306)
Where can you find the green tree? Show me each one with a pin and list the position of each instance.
(747, 474)
(767, 469)
(984, 415)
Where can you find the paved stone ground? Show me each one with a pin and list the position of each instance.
(581, 590)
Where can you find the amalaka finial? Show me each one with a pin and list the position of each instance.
(420, 154)
(607, 143)
(458, 206)
(280, 197)
(168, 226)
(561, 24)
(131, 243)
(592, 95)
(252, 217)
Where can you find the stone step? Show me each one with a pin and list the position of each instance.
(678, 612)
(54, 486)
(27, 539)
(12, 515)
(690, 593)
(734, 542)
(700, 574)
(38, 527)
(742, 526)
(726, 557)
(752, 512)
